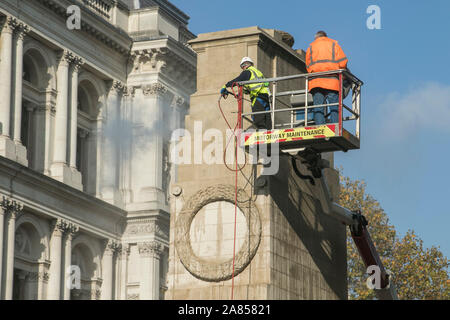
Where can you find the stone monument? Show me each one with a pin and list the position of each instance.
(286, 247)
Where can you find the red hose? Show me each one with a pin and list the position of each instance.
(235, 170)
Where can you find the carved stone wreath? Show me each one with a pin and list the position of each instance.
(214, 271)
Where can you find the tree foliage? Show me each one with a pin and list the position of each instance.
(417, 272)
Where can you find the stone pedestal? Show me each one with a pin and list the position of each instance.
(7, 148)
(64, 173)
(285, 247)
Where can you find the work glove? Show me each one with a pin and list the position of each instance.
(224, 92)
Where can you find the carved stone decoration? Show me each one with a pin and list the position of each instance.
(61, 226)
(72, 229)
(210, 271)
(114, 246)
(149, 59)
(117, 87)
(22, 30)
(77, 63)
(286, 37)
(178, 102)
(147, 229)
(65, 57)
(124, 252)
(36, 276)
(133, 296)
(129, 91)
(8, 24)
(11, 207)
(20, 242)
(96, 294)
(85, 294)
(154, 89)
(177, 191)
(47, 107)
(151, 248)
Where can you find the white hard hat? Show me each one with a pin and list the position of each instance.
(246, 59)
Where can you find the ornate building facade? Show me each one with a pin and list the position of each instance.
(88, 98)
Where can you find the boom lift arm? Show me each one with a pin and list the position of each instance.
(357, 224)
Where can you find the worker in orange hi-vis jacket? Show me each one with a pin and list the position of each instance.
(325, 54)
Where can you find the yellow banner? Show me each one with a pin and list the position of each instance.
(286, 135)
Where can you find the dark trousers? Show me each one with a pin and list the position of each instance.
(320, 96)
(263, 120)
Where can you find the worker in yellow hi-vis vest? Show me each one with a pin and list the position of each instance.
(259, 93)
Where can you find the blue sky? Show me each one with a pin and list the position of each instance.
(404, 157)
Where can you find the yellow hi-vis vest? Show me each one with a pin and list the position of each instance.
(256, 88)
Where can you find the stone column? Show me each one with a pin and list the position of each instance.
(126, 146)
(43, 120)
(61, 119)
(35, 284)
(12, 208)
(108, 270)
(23, 285)
(21, 152)
(2, 218)
(111, 140)
(76, 65)
(76, 179)
(147, 175)
(107, 273)
(8, 25)
(150, 256)
(113, 11)
(124, 254)
(67, 243)
(42, 281)
(28, 158)
(54, 285)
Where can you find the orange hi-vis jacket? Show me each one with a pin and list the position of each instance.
(325, 54)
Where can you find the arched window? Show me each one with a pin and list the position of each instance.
(28, 252)
(31, 77)
(86, 160)
(83, 258)
(37, 76)
(30, 73)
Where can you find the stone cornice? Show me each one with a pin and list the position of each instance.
(182, 50)
(67, 202)
(167, 9)
(87, 25)
(173, 11)
(238, 34)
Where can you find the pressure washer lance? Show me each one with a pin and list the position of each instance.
(225, 95)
